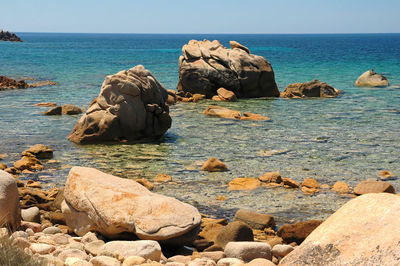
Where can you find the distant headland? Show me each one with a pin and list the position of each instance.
(7, 36)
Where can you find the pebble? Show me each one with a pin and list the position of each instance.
(42, 248)
(52, 230)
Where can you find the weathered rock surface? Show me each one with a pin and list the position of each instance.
(313, 88)
(248, 251)
(39, 151)
(244, 183)
(222, 112)
(214, 165)
(70, 109)
(113, 206)
(8, 36)
(12, 84)
(362, 232)
(341, 187)
(371, 79)
(254, 219)
(147, 249)
(10, 213)
(207, 66)
(297, 232)
(226, 95)
(372, 186)
(131, 106)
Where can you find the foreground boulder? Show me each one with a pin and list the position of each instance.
(131, 106)
(371, 79)
(206, 66)
(118, 207)
(313, 88)
(365, 231)
(10, 214)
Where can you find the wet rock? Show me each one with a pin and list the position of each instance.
(297, 232)
(341, 187)
(361, 232)
(372, 186)
(310, 186)
(126, 207)
(146, 183)
(233, 232)
(42, 83)
(161, 178)
(131, 106)
(271, 177)
(287, 182)
(28, 163)
(39, 151)
(371, 79)
(386, 175)
(147, 249)
(244, 183)
(207, 66)
(54, 111)
(31, 215)
(46, 104)
(222, 112)
(104, 261)
(255, 220)
(12, 84)
(214, 165)
(10, 213)
(226, 95)
(70, 109)
(52, 230)
(248, 251)
(313, 88)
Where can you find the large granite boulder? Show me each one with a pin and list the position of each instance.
(131, 106)
(371, 79)
(122, 208)
(313, 88)
(10, 213)
(206, 66)
(365, 231)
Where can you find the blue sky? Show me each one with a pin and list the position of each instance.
(204, 16)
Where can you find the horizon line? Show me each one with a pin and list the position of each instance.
(159, 33)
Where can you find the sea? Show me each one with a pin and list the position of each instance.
(350, 138)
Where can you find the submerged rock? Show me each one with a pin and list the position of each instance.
(70, 109)
(362, 232)
(131, 106)
(119, 207)
(371, 79)
(214, 165)
(313, 88)
(206, 66)
(222, 112)
(12, 84)
(39, 151)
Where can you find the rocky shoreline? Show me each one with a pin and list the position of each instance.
(99, 219)
(8, 36)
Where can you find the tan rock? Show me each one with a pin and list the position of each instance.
(104, 261)
(133, 260)
(287, 182)
(244, 183)
(39, 151)
(248, 251)
(125, 207)
(235, 44)
(260, 262)
(372, 186)
(362, 232)
(226, 95)
(254, 219)
(313, 88)
(371, 79)
(297, 232)
(54, 111)
(162, 178)
(29, 163)
(147, 249)
(222, 112)
(70, 109)
(271, 177)
(386, 175)
(146, 183)
(214, 165)
(131, 106)
(10, 213)
(341, 187)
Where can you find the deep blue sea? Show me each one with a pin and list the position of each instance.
(350, 138)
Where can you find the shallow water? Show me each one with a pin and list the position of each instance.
(350, 138)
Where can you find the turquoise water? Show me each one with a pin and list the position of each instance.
(350, 138)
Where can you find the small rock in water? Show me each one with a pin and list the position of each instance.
(46, 104)
(372, 186)
(287, 182)
(244, 183)
(162, 178)
(146, 183)
(70, 109)
(310, 186)
(386, 175)
(39, 151)
(273, 152)
(54, 111)
(341, 187)
(271, 177)
(214, 165)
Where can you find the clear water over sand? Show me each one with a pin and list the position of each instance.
(349, 139)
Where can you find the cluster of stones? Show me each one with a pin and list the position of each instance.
(7, 83)
(8, 36)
